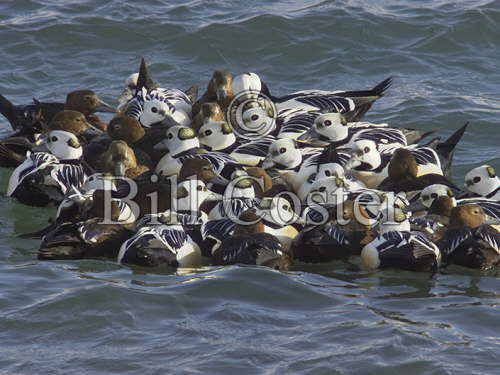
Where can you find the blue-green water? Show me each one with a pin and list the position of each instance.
(97, 317)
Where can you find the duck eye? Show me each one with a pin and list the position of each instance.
(205, 168)
(327, 173)
(154, 109)
(199, 188)
(254, 117)
(285, 207)
(476, 179)
(208, 132)
(117, 127)
(53, 139)
(434, 195)
(327, 122)
(322, 189)
(170, 136)
(78, 119)
(282, 150)
(366, 150)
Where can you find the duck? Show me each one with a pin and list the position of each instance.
(94, 199)
(333, 128)
(120, 160)
(354, 103)
(250, 244)
(483, 181)
(396, 246)
(336, 239)
(435, 222)
(182, 144)
(329, 164)
(13, 149)
(295, 164)
(239, 196)
(44, 177)
(121, 128)
(167, 242)
(153, 105)
(209, 112)
(160, 245)
(429, 194)
(219, 136)
(219, 90)
(280, 218)
(370, 166)
(89, 239)
(31, 118)
(469, 242)
(403, 175)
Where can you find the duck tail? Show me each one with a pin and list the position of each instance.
(145, 80)
(363, 100)
(39, 234)
(7, 110)
(414, 136)
(446, 149)
(192, 93)
(380, 89)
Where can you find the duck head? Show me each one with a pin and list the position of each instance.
(482, 180)
(126, 129)
(284, 154)
(277, 210)
(394, 213)
(197, 169)
(211, 112)
(442, 205)
(63, 145)
(241, 186)
(364, 156)
(432, 192)
(220, 87)
(119, 158)
(179, 139)
(86, 102)
(249, 223)
(246, 82)
(216, 135)
(468, 216)
(261, 181)
(192, 193)
(402, 165)
(332, 126)
(74, 122)
(258, 117)
(324, 190)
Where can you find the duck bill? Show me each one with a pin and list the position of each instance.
(267, 163)
(92, 130)
(42, 147)
(161, 146)
(213, 197)
(104, 107)
(221, 94)
(119, 170)
(492, 221)
(415, 207)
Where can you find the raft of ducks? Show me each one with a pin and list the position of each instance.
(170, 182)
